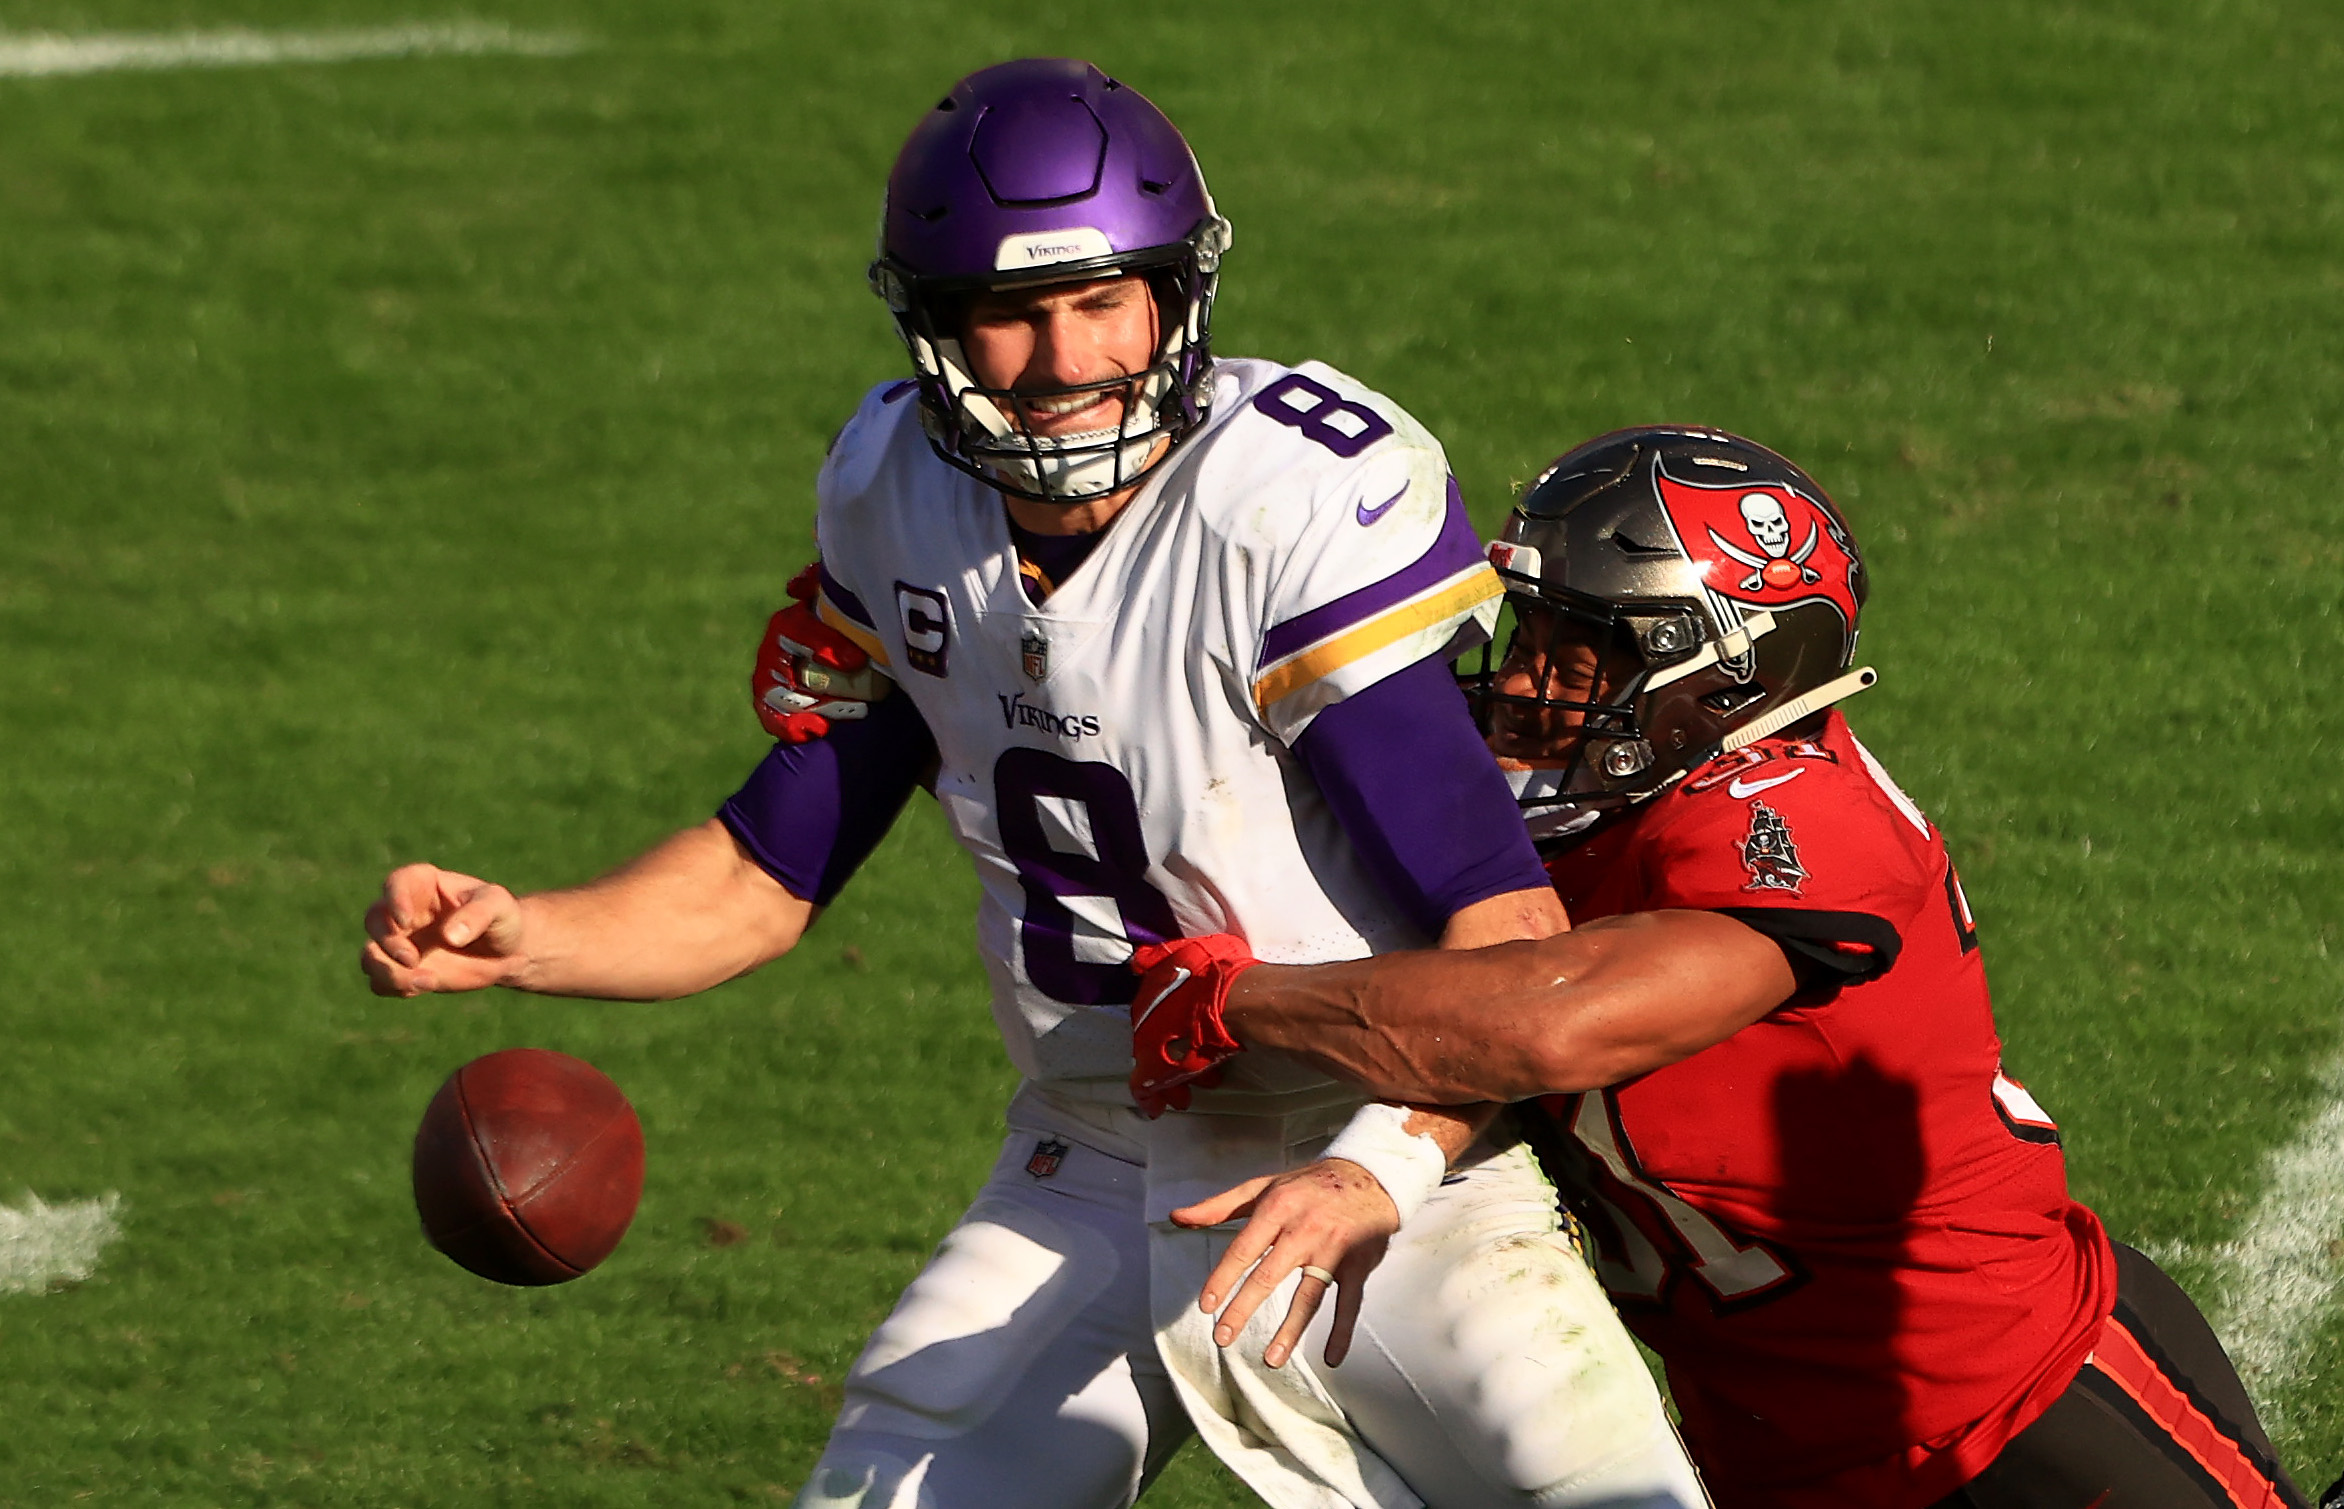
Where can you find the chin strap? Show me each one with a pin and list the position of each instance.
(1799, 707)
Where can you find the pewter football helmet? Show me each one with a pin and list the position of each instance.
(1709, 590)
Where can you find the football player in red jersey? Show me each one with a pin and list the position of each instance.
(1763, 1069)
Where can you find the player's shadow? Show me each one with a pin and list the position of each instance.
(1852, 1164)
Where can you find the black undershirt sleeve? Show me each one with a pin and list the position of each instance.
(1826, 950)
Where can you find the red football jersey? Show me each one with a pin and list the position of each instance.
(1844, 1230)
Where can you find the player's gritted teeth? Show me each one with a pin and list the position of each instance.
(1072, 412)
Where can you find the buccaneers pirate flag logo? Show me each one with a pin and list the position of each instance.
(1770, 854)
(1761, 543)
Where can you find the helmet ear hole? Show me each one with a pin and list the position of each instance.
(948, 313)
(1727, 701)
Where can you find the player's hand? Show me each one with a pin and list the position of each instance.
(1177, 1035)
(808, 674)
(1330, 1215)
(436, 930)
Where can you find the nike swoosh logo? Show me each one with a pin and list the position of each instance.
(1180, 977)
(1369, 515)
(1741, 787)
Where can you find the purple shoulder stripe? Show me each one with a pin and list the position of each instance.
(1456, 549)
(846, 602)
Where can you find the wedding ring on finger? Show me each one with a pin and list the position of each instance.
(1322, 1275)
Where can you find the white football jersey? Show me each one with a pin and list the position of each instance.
(1117, 760)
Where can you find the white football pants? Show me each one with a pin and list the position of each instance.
(1027, 1364)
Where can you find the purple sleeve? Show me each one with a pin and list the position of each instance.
(1417, 793)
(811, 813)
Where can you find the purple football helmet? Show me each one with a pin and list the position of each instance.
(1047, 171)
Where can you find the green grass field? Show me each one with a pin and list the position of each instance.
(400, 457)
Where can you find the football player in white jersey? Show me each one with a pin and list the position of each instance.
(1230, 712)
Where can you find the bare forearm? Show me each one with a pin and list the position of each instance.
(1452, 1128)
(1576, 1011)
(1513, 916)
(689, 913)
(1417, 1028)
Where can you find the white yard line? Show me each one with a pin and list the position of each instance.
(2281, 1273)
(35, 54)
(42, 1245)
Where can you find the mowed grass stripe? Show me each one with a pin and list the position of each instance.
(43, 1245)
(45, 55)
(2282, 1272)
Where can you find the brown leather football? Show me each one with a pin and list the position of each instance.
(528, 1166)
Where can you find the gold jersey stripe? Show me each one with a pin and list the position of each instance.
(1389, 627)
(863, 638)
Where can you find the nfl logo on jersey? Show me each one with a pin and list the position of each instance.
(1048, 1154)
(1034, 655)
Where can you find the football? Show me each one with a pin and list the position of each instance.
(528, 1166)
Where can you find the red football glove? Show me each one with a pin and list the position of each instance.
(808, 674)
(1177, 1036)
